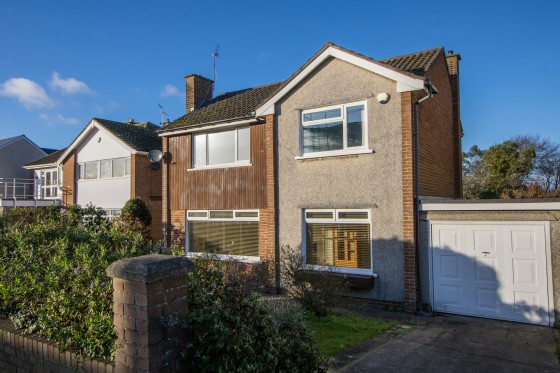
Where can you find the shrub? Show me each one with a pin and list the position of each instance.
(52, 274)
(229, 328)
(313, 289)
(135, 208)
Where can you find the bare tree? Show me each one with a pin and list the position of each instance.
(546, 170)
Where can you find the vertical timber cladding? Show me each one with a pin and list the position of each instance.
(245, 187)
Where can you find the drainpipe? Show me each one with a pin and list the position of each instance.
(431, 90)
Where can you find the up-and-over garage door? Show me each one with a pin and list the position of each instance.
(491, 270)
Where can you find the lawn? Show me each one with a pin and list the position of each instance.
(335, 333)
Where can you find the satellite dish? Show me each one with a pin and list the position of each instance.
(155, 166)
(154, 156)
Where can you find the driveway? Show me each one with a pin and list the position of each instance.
(455, 344)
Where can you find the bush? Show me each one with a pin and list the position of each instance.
(313, 289)
(231, 329)
(135, 208)
(52, 274)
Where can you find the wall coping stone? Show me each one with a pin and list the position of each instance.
(149, 268)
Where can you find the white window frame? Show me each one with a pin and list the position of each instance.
(236, 163)
(336, 219)
(52, 187)
(80, 172)
(345, 149)
(245, 259)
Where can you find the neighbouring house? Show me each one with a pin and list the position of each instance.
(105, 165)
(15, 184)
(324, 161)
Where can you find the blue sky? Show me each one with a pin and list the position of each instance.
(64, 62)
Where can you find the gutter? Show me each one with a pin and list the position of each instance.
(430, 89)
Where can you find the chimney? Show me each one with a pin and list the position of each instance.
(453, 67)
(199, 89)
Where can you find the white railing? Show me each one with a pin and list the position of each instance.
(29, 190)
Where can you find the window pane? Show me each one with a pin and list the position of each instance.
(197, 214)
(118, 167)
(221, 214)
(127, 166)
(91, 170)
(221, 147)
(106, 168)
(354, 124)
(229, 237)
(323, 137)
(199, 150)
(247, 214)
(319, 215)
(339, 245)
(353, 215)
(325, 114)
(243, 144)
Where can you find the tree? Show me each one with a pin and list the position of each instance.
(546, 170)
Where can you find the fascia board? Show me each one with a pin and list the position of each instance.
(405, 83)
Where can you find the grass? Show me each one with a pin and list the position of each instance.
(335, 333)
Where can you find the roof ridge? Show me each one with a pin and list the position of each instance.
(412, 54)
(246, 89)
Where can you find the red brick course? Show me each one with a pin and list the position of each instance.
(147, 184)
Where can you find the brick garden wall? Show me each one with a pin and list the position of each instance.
(30, 353)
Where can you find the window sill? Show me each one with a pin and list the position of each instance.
(242, 259)
(359, 281)
(228, 165)
(336, 153)
(104, 178)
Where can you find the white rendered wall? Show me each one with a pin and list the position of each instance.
(104, 193)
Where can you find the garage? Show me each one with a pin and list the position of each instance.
(490, 260)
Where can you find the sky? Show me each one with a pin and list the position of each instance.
(64, 62)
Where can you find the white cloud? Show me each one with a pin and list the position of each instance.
(67, 120)
(170, 90)
(27, 92)
(68, 86)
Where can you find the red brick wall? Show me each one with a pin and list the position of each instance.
(409, 238)
(439, 174)
(199, 89)
(69, 180)
(453, 66)
(147, 184)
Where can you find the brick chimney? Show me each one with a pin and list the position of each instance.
(453, 67)
(199, 89)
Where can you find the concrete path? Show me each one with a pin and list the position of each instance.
(454, 344)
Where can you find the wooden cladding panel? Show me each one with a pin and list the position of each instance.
(221, 188)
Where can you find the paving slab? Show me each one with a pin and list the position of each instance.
(452, 343)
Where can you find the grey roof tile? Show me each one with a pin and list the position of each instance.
(140, 136)
(416, 63)
(49, 159)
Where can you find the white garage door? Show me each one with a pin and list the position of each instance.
(491, 270)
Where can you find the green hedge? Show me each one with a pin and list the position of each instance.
(52, 274)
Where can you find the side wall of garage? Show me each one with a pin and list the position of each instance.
(430, 217)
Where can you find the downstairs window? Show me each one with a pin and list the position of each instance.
(223, 232)
(338, 238)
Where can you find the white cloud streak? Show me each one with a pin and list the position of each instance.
(29, 93)
(170, 90)
(68, 86)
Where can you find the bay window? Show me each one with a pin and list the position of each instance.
(338, 238)
(223, 232)
(221, 148)
(340, 128)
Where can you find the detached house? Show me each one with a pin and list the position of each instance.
(327, 161)
(105, 165)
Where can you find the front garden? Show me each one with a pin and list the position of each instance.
(53, 282)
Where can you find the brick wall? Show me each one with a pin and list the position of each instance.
(30, 353)
(439, 173)
(198, 89)
(453, 67)
(69, 180)
(178, 227)
(409, 238)
(147, 184)
(165, 212)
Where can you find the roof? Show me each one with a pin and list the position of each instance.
(9, 140)
(139, 136)
(47, 160)
(227, 106)
(242, 104)
(416, 63)
(48, 150)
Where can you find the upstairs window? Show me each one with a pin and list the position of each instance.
(334, 129)
(104, 169)
(221, 148)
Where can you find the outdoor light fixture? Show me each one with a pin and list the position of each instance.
(383, 98)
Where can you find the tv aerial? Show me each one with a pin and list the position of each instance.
(162, 110)
(215, 55)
